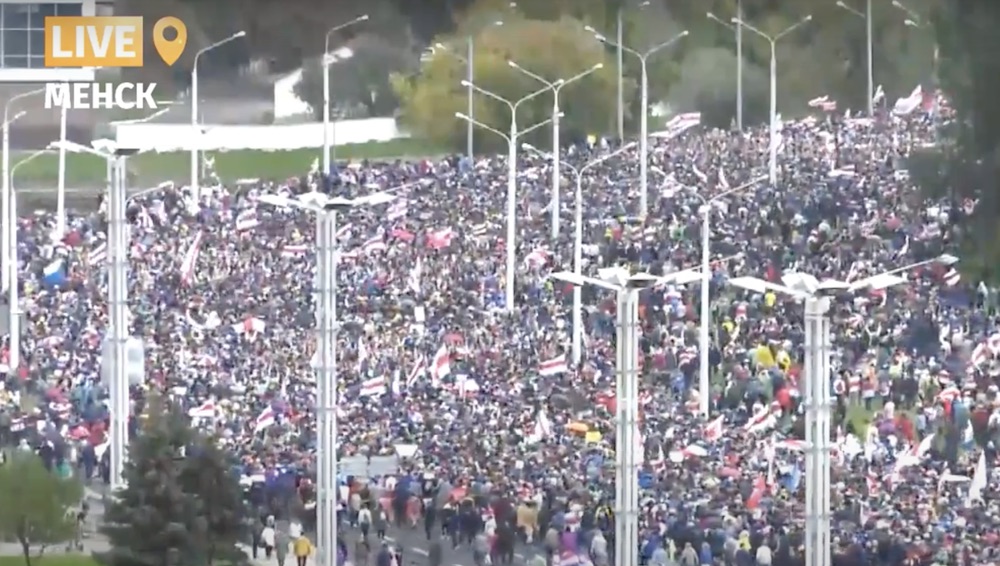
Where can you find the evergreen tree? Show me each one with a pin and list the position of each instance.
(181, 504)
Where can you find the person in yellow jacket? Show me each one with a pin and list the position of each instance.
(303, 548)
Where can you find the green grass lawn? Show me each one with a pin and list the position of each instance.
(84, 170)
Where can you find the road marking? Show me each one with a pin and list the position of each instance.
(420, 551)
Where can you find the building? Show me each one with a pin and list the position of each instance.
(22, 39)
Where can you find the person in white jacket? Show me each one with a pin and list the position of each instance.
(365, 521)
(267, 537)
(764, 555)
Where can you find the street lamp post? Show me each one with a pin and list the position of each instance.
(869, 49)
(556, 87)
(7, 231)
(118, 377)
(577, 343)
(469, 60)
(704, 338)
(194, 105)
(628, 451)
(644, 116)
(327, 60)
(738, 31)
(915, 21)
(511, 139)
(326, 210)
(817, 297)
(773, 42)
(14, 299)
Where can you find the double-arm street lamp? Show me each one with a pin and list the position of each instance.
(511, 139)
(644, 116)
(556, 87)
(326, 209)
(773, 40)
(817, 297)
(577, 342)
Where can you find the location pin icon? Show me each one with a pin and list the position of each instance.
(170, 50)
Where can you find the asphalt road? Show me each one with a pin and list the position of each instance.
(415, 545)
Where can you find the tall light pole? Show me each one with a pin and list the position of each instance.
(704, 338)
(556, 87)
(14, 299)
(327, 60)
(773, 41)
(738, 31)
(628, 452)
(577, 343)
(117, 344)
(469, 60)
(195, 191)
(326, 209)
(817, 296)
(869, 49)
(7, 231)
(644, 116)
(511, 139)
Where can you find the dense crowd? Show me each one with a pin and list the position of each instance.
(430, 357)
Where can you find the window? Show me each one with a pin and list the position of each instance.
(18, 16)
(15, 62)
(15, 42)
(69, 9)
(23, 29)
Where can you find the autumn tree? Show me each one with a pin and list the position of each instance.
(551, 49)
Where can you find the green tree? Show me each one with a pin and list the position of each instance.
(552, 49)
(964, 166)
(181, 504)
(38, 508)
(708, 84)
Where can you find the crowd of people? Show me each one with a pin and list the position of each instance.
(483, 397)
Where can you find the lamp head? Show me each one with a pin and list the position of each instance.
(684, 33)
(512, 64)
(465, 83)
(600, 37)
(598, 66)
(807, 18)
(363, 18)
(590, 29)
(461, 116)
(240, 33)
(841, 4)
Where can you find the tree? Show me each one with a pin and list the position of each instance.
(38, 507)
(361, 80)
(181, 504)
(964, 166)
(708, 84)
(551, 49)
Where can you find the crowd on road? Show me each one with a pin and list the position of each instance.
(480, 401)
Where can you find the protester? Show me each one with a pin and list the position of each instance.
(484, 403)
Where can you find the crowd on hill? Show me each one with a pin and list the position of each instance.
(482, 396)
